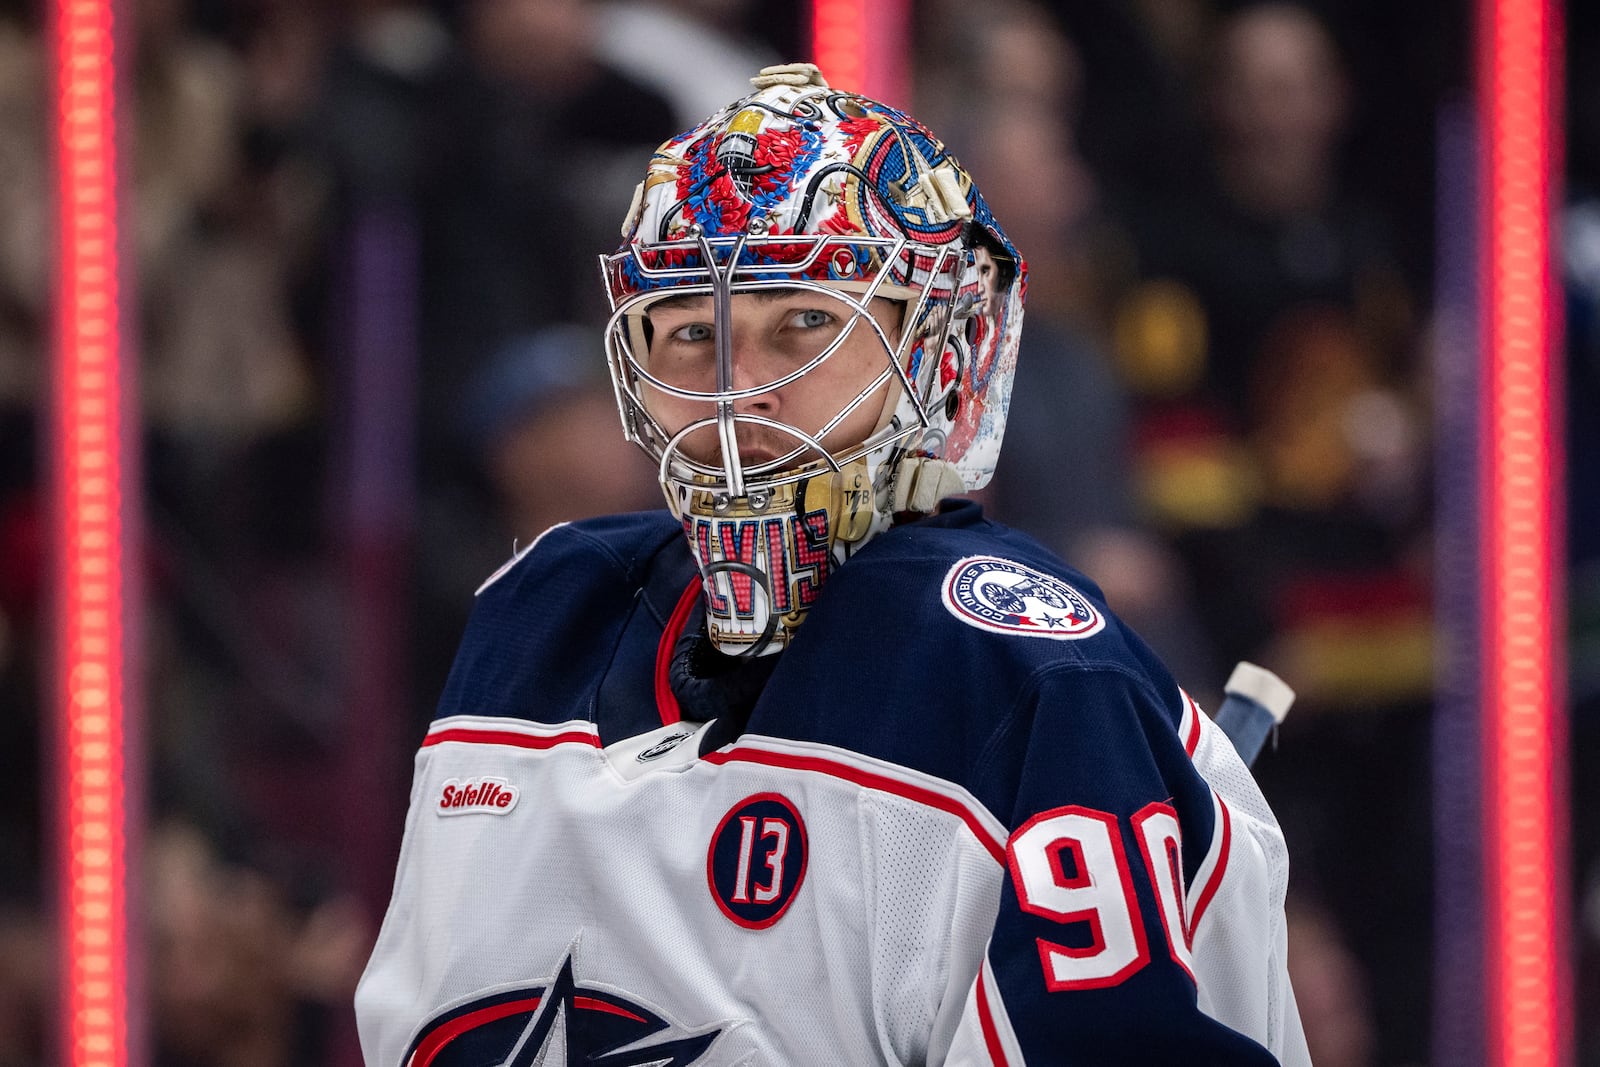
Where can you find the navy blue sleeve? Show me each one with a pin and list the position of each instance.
(549, 630)
(1081, 951)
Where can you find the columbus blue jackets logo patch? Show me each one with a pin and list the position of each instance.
(560, 1024)
(757, 860)
(997, 594)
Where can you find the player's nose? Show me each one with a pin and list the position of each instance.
(750, 371)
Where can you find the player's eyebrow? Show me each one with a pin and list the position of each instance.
(668, 303)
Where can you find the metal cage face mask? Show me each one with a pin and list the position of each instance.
(810, 337)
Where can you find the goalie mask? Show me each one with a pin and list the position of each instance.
(813, 333)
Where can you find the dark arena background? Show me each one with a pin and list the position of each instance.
(300, 335)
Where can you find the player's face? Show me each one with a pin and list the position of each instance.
(774, 333)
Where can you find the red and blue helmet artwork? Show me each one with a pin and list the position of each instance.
(801, 186)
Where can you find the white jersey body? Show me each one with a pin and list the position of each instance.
(776, 900)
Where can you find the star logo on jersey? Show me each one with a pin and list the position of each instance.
(558, 1024)
(1006, 597)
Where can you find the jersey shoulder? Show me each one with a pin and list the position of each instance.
(548, 628)
(954, 644)
(957, 579)
(615, 542)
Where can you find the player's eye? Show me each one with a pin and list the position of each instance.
(810, 319)
(693, 333)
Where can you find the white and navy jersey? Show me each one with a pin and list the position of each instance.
(971, 820)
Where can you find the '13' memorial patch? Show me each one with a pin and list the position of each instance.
(997, 594)
(757, 860)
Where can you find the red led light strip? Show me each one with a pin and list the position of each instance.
(1522, 609)
(864, 46)
(839, 42)
(89, 538)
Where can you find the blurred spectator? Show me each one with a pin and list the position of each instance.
(1064, 476)
(1329, 989)
(24, 217)
(218, 238)
(541, 417)
(370, 119)
(1340, 591)
(1281, 443)
(220, 368)
(1275, 224)
(1139, 126)
(223, 367)
(541, 443)
(221, 361)
(1281, 106)
(238, 622)
(27, 978)
(186, 100)
(1582, 254)
(1270, 344)
(530, 133)
(538, 421)
(238, 975)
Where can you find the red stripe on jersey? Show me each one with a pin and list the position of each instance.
(591, 1004)
(666, 702)
(991, 1036)
(1209, 890)
(882, 783)
(507, 737)
(1191, 724)
(456, 1027)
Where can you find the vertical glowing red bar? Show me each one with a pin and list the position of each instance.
(839, 42)
(90, 537)
(864, 46)
(1523, 611)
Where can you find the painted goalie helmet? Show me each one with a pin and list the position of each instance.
(808, 243)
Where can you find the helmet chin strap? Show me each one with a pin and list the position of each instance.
(921, 482)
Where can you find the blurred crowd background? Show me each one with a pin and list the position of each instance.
(362, 238)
